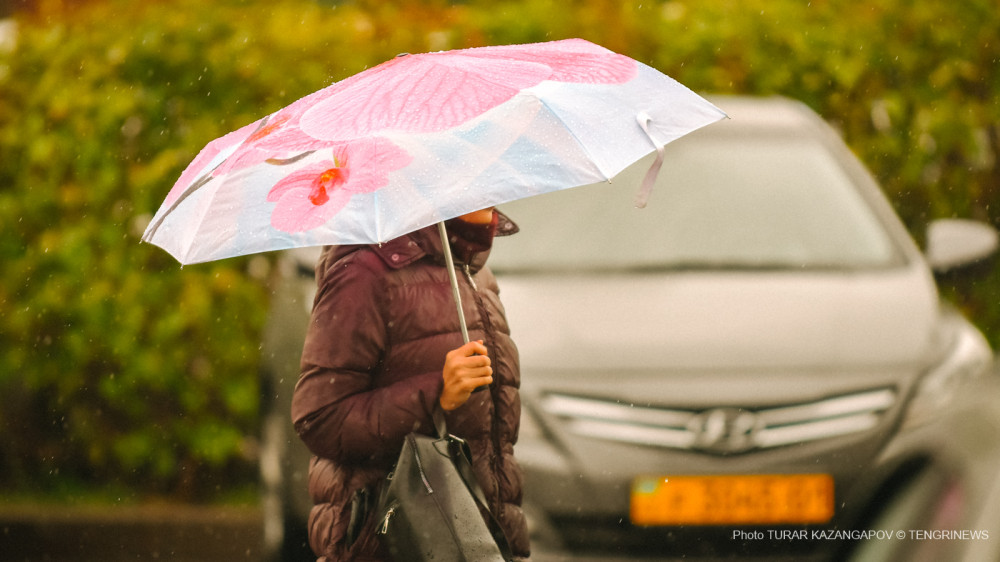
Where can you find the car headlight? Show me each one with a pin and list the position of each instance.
(969, 357)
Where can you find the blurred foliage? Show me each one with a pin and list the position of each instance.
(117, 365)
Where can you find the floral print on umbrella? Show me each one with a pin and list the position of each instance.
(291, 178)
(439, 90)
(312, 195)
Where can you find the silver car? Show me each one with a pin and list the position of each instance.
(714, 374)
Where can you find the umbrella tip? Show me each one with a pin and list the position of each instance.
(402, 55)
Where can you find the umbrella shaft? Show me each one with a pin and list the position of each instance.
(450, 263)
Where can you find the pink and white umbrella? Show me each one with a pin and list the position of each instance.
(420, 139)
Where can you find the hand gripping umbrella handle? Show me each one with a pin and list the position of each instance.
(450, 262)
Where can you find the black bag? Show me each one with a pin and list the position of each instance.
(431, 505)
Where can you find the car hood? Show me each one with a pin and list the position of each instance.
(723, 320)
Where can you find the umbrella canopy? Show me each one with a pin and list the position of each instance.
(420, 139)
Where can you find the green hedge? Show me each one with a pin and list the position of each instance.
(118, 367)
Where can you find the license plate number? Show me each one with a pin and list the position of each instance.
(732, 499)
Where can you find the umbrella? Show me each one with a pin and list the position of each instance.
(420, 139)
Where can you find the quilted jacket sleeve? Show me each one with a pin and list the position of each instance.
(337, 408)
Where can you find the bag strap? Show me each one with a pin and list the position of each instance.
(440, 427)
(458, 448)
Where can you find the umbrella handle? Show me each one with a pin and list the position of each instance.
(450, 262)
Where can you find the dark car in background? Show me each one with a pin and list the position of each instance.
(753, 353)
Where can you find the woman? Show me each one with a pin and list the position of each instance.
(383, 348)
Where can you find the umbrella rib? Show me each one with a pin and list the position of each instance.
(151, 230)
(583, 147)
(199, 183)
(378, 217)
(287, 161)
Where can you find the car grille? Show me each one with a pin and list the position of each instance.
(724, 430)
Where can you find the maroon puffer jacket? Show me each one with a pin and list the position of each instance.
(383, 320)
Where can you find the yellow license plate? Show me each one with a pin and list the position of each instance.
(732, 499)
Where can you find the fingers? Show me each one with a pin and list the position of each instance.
(469, 371)
(475, 347)
(452, 396)
(461, 357)
(466, 368)
(470, 360)
(474, 362)
(461, 392)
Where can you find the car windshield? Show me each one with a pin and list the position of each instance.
(720, 203)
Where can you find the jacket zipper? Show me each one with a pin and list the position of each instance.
(468, 275)
(494, 429)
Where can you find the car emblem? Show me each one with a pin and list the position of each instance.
(725, 430)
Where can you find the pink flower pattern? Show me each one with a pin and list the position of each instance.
(276, 136)
(311, 196)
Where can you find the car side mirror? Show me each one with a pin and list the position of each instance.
(958, 247)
